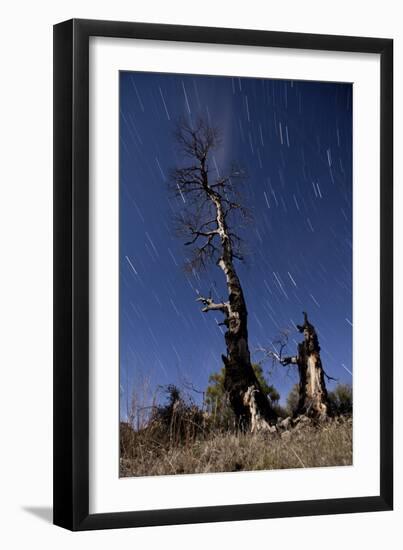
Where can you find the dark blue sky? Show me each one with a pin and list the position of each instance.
(294, 139)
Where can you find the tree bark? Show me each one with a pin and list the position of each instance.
(250, 405)
(313, 399)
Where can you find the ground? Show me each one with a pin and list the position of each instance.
(305, 446)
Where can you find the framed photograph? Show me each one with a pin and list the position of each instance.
(223, 274)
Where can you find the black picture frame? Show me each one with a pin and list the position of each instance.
(71, 274)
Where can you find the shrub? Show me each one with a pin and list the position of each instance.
(341, 399)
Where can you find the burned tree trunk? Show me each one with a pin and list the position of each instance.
(313, 398)
(208, 225)
(249, 403)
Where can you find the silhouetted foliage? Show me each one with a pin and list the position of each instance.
(341, 399)
(126, 438)
(179, 420)
(293, 400)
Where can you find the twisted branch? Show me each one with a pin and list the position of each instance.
(210, 305)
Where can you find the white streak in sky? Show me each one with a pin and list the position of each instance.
(216, 167)
(292, 279)
(267, 286)
(137, 94)
(131, 117)
(281, 133)
(172, 256)
(180, 192)
(162, 367)
(286, 134)
(196, 94)
(314, 188)
(186, 97)
(315, 301)
(134, 203)
(152, 244)
(345, 368)
(233, 85)
(165, 105)
(261, 134)
(296, 203)
(124, 145)
(257, 320)
(320, 194)
(160, 169)
(293, 324)
(273, 321)
(131, 265)
(259, 159)
(251, 144)
(329, 157)
(176, 353)
(156, 298)
(280, 285)
(274, 196)
(267, 200)
(331, 174)
(349, 322)
(310, 225)
(174, 306)
(241, 129)
(247, 107)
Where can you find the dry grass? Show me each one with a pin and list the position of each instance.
(302, 447)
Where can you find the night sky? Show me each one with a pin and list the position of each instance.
(294, 140)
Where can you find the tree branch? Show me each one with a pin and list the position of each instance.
(329, 377)
(197, 234)
(212, 306)
(213, 205)
(289, 360)
(278, 355)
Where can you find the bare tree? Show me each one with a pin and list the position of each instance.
(211, 210)
(313, 398)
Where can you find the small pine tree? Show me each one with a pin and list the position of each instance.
(341, 399)
(292, 400)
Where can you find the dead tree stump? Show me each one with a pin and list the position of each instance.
(313, 398)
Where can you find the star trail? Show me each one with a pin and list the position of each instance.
(294, 141)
